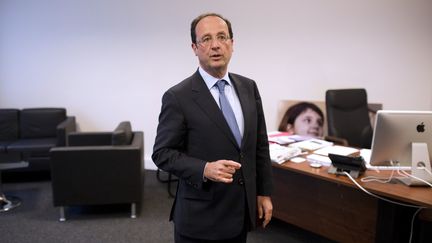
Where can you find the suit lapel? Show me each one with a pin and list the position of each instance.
(204, 99)
(245, 102)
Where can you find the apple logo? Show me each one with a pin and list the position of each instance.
(421, 127)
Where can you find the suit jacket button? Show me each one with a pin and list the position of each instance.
(240, 181)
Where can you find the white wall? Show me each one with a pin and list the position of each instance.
(111, 60)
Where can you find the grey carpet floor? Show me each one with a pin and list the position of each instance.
(36, 220)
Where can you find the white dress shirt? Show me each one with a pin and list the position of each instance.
(229, 93)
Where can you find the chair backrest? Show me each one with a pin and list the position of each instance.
(348, 116)
(121, 135)
(41, 122)
(9, 121)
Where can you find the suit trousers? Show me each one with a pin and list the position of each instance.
(240, 238)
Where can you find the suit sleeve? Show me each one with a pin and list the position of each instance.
(263, 162)
(169, 147)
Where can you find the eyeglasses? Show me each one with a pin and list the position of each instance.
(208, 40)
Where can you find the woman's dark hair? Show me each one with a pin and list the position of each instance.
(294, 111)
(198, 19)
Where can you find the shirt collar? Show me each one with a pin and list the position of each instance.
(209, 80)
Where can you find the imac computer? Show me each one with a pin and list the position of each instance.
(404, 138)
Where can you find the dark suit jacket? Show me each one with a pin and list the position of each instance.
(192, 131)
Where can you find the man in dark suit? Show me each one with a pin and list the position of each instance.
(212, 135)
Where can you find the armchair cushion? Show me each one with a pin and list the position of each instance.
(33, 145)
(8, 127)
(89, 138)
(9, 124)
(3, 146)
(41, 122)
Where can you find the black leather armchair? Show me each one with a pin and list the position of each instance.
(348, 116)
(98, 168)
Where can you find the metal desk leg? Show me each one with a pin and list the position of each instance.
(133, 211)
(62, 214)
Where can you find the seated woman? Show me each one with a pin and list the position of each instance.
(304, 118)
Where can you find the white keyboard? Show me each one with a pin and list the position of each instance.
(379, 167)
(365, 153)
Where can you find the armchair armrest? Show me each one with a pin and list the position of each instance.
(138, 139)
(64, 128)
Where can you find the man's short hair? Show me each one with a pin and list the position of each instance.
(199, 18)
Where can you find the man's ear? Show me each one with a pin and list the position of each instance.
(194, 48)
(232, 43)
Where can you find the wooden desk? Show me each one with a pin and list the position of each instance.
(334, 207)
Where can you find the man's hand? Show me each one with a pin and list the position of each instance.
(221, 170)
(265, 209)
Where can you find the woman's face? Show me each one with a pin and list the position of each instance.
(308, 123)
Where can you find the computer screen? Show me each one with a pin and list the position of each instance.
(394, 133)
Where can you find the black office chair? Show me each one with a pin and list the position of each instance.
(9, 202)
(348, 116)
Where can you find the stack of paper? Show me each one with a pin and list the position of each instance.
(280, 138)
(280, 154)
(321, 155)
(285, 137)
(340, 150)
(311, 144)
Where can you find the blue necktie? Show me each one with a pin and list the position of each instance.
(228, 111)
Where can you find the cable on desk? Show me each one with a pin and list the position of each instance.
(406, 174)
(428, 171)
(400, 172)
(381, 179)
(379, 197)
(378, 179)
(390, 201)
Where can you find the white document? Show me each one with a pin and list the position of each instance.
(337, 149)
(311, 144)
(366, 154)
(280, 137)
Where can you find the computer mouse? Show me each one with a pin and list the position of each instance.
(315, 165)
